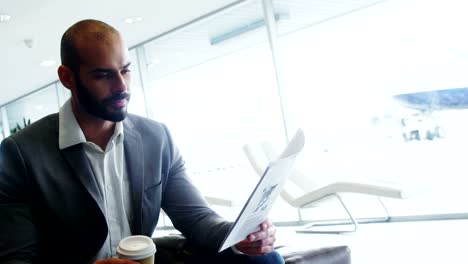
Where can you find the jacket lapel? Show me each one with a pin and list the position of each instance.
(76, 157)
(133, 149)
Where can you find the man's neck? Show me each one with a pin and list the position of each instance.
(98, 133)
(96, 130)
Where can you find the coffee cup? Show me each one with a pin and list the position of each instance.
(137, 248)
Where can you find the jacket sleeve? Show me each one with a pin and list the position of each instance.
(17, 230)
(188, 210)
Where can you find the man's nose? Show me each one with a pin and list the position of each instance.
(120, 83)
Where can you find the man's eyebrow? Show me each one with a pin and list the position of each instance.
(100, 70)
(107, 70)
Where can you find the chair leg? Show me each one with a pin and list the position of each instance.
(309, 227)
(299, 214)
(387, 217)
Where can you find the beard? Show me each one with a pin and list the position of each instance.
(103, 109)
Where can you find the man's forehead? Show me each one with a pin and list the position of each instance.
(100, 59)
(92, 38)
(100, 43)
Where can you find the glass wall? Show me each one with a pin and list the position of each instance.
(138, 103)
(378, 87)
(63, 93)
(374, 85)
(32, 107)
(4, 129)
(213, 84)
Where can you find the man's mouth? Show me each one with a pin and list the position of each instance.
(119, 100)
(119, 103)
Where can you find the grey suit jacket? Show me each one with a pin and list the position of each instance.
(51, 209)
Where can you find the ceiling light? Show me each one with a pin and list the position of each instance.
(47, 63)
(133, 20)
(4, 17)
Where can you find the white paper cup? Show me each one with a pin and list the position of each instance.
(137, 248)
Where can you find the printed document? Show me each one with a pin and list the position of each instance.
(257, 207)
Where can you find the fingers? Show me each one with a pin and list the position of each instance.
(261, 242)
(267, 223)
(264, 232)
(257, 248)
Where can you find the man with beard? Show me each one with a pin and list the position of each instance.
(73, 184)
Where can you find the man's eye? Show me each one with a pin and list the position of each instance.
(101, 76)
(124, 71)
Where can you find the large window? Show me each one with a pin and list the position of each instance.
(4, 130)
(32, 107)
(63, 93)
(213, 84)
(138, 104)
(374, 85)
(378, 86)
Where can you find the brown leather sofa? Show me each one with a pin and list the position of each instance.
(171, 249)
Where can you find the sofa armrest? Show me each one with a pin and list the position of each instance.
(170, 248)
(325, 255)
(173, 249)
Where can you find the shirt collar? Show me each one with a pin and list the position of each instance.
(70, 132)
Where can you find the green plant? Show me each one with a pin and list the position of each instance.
(18, 127)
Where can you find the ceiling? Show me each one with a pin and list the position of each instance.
(407, 46)
(44, 21)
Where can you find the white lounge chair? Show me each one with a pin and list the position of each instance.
(300, 191)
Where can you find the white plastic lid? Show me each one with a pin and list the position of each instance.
(136, 247)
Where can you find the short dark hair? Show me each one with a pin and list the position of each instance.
(68, 51)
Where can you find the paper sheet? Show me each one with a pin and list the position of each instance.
(257, 207)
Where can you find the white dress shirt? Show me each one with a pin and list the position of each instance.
(110, 171)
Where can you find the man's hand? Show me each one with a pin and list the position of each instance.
(259, 243)
(115, 261)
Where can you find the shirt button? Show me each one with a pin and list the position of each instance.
(109, 188)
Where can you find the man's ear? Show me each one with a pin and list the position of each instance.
(66, 76)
